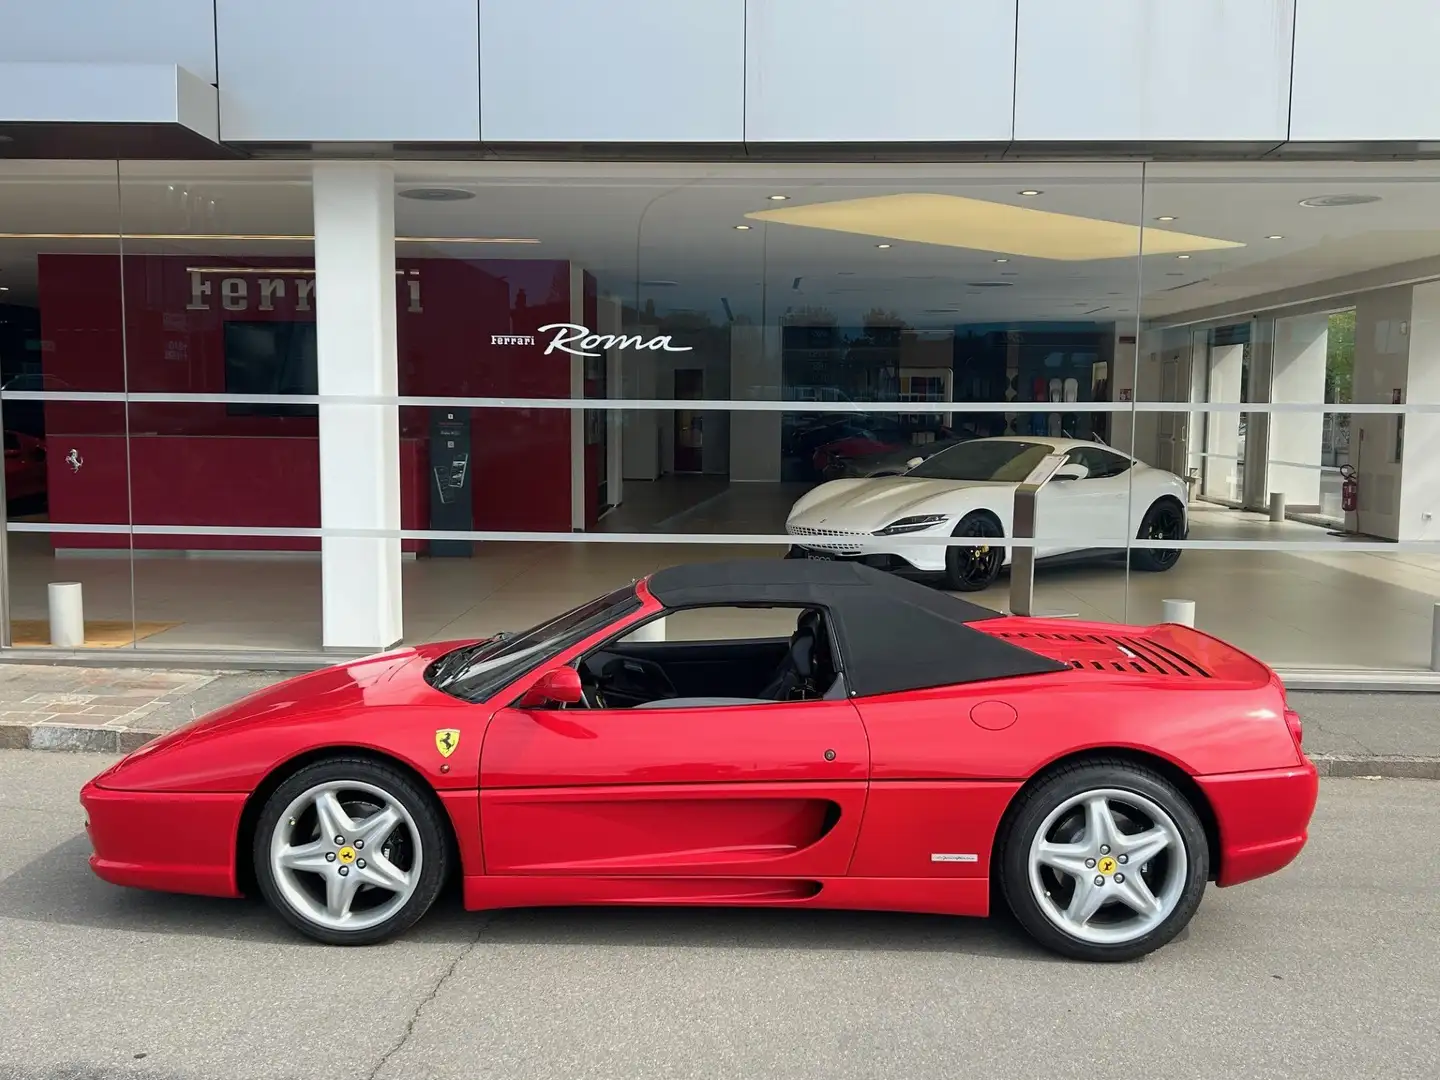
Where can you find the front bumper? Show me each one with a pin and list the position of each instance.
(869, 549)
(166, 841)
(1263, 818)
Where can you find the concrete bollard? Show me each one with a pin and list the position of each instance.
(67, 615)
(1178, 611)
(1277, 506)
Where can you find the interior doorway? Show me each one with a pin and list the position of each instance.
(689, 423)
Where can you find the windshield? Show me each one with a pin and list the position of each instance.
(474, 672)
(982, 459)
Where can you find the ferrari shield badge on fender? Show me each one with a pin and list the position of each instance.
(446, 740)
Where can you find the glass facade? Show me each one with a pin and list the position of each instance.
(603, 369)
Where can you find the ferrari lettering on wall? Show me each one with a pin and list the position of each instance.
(236, 293)
(570, 334)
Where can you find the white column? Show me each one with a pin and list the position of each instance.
(755, 376)
(359, 444)
(1296, 437)
(577, 416)
(1222, 439)
(1382, 367)
(611, 316)
(1418, 440)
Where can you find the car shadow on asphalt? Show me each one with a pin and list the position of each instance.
(58, 888)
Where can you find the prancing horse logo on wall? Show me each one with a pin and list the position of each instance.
(74, 460)
(446, 740)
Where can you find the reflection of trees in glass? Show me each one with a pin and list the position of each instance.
(808, 316)
(1340, 358)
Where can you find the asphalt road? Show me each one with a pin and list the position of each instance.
(1330, 969)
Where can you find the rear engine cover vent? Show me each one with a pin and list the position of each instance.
(1108, 652)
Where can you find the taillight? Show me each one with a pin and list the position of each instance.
(1297, 729)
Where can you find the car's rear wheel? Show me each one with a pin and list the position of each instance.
(1165, 520)
(350, 851)
(1104, 860)
(972, 569)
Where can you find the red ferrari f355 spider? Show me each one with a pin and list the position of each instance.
(901, 750)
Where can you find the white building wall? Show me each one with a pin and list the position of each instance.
(1138, 70)
(765, 71)
(1365, 71)
(944, 71)
(86, 31)
(362, 71)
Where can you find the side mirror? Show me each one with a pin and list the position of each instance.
(559, 686)
(1072, 471)
(914, 461)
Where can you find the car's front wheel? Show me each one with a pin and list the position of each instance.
(350, 851)
(973, 568)
(1103, 860)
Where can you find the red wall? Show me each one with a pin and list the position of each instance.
(195, 464)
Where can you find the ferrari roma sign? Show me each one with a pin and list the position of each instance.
(571, 334)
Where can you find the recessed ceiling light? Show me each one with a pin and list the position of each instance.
(778, 198)
(882, 246)
(4, 288)
(1339, 200)
(659, 284)
(1166, 217)
(1182, 256)
(1274, 236)
(437, 194)
(1031, 191)
(1002, 260)
(742, 228)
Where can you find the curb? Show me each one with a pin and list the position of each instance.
(67, 738)
(73, 738)
(1388, 766)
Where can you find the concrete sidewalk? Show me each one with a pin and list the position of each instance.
(115, 710)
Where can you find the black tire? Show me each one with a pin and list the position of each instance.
(1165, 520)
(1035, 804)
(418, 802)
(972, 569)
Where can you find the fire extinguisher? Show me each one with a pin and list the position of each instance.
(1349, 489)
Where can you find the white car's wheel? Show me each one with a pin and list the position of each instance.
(974, 569)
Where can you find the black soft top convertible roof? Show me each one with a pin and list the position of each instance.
(893, 634)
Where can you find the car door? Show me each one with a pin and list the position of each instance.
(1089, 512)
(768, 790)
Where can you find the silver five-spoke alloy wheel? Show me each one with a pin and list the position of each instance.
(346, 855)
(1107, 866)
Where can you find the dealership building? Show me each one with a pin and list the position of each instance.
(329, 328)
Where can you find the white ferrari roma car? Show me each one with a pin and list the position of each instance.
(1096, 498)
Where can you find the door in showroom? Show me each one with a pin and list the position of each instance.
(689, 431)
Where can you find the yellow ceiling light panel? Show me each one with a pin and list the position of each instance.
(955, 221)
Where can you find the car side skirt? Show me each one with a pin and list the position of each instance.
(934, 896)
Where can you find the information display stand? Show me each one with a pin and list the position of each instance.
(451, 500)
(1022, 560)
